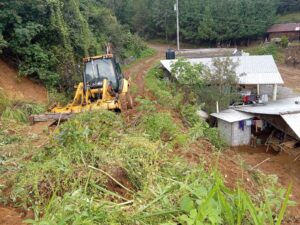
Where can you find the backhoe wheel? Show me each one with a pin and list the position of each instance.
(126, 101)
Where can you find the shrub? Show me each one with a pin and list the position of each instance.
(55, 97)
(141, 159)
(189, 114)
(268, 49)
(146, 105)
(213, 135)
(162, 89)
(284, 42)
(97, 127)
(160, 126)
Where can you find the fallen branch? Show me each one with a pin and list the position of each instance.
(50, 116)
(254, 167)
(111, 177)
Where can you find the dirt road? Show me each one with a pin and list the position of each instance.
(291, 77)
(138, 70)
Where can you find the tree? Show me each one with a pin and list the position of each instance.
(209, 21)
(208, 84)
(221, 83)
(206, 29)
(188, 77)
(3, 43)
(48, 39)
(286, 6)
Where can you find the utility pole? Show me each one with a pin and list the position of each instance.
(177, 16)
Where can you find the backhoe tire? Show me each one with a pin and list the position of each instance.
(126, 102)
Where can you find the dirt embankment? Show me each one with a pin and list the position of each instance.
(20, 88)
(291, 76)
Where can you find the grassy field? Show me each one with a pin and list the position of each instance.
(289, 18)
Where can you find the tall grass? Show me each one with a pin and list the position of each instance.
(17, 110)
(98, 170)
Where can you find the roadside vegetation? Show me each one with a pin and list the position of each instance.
(96, 168)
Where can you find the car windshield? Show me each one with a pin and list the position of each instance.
(98, 70)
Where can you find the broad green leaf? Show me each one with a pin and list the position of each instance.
(187, 204)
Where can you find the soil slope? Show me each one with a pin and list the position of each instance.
(20, 88)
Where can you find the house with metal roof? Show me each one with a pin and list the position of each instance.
(252, 71)
(234, 126)
(283, 114)
(290, 30)
(239, 124)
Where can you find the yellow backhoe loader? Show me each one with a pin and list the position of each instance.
(103, 87)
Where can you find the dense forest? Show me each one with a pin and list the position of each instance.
(48, 39)
(201, 21)
(287, 6)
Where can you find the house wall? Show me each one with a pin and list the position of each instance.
(225, 131)
(293, 36)
(232, 134)
(239, 136)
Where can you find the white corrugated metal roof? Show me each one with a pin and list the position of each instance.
(253, 69)
(293, 120)
(231, 115)
(279, 107)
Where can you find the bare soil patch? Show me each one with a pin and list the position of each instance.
(291, 76)
(20, 88)
(280, 164)
(11, 216)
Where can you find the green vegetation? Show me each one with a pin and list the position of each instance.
(95, 169)
(48, 39)
(289, 18)
(16, 110)
(201, 84)
(100, 168)
(201, 21)
(284, 42)
(268, 49)
(288, 6)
